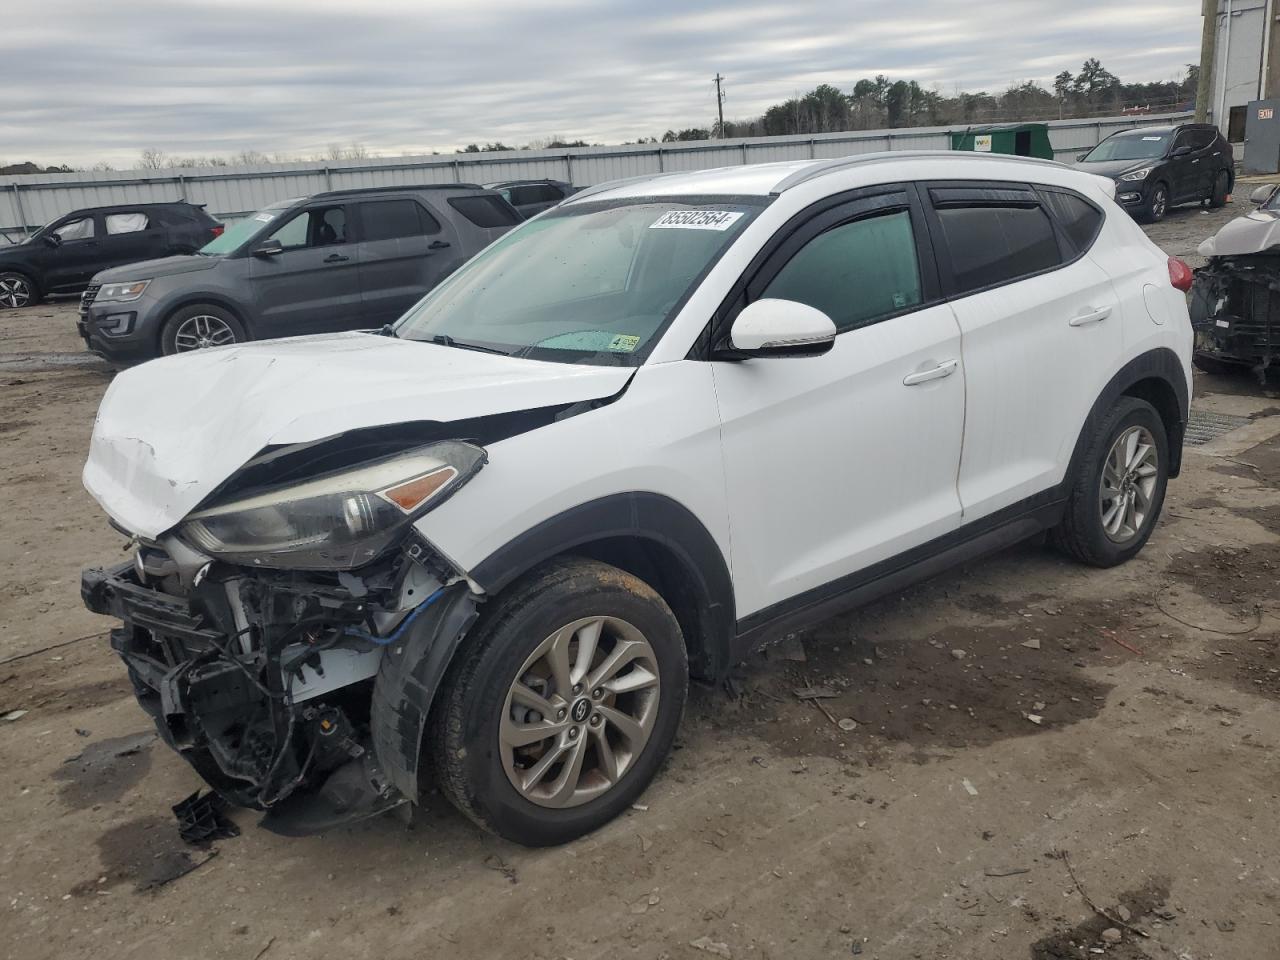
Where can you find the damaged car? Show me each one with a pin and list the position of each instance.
(627, 444)
(1235, 300)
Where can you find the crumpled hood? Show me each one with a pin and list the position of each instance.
(163, 267)
(169, 431)
(1255, 232)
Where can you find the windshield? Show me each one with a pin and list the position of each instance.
(587, 283)
(1130, 146)
(235, 235)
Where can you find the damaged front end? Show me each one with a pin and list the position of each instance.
(259, 633)
(1235, 311)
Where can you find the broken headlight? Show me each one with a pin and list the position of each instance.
(335, 522)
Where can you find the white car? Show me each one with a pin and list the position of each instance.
(632, 440)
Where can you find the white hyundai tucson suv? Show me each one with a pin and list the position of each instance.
(632, 440)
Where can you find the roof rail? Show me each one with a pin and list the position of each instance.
(823, 167)
(611, 184)
(396, 188)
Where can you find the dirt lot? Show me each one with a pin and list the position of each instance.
(1105, 736)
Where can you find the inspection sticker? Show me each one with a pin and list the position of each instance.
(623, 343)
(696, 220)
(1156, 139)
(265, 217)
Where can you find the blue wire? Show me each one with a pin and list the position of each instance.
(396, 634)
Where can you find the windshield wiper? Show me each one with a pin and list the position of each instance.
(444, 340)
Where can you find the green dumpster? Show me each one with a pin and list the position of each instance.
(1019, 139)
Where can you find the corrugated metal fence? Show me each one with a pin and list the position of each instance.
(231, 193)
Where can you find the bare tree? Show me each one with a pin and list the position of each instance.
(153, 159)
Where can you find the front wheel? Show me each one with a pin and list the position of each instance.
(16, 290)
(1157, 204)
(563, 705)
(1119, 486)
(199, 327)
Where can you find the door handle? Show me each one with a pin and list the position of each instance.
(438, 244)
(945, 369)
(336, 258)
(1090, 316)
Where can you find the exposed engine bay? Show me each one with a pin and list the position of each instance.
(264, 680)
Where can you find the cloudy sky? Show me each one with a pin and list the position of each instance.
(90, 80)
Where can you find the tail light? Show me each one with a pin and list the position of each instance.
(1180, 275)
(217, 229)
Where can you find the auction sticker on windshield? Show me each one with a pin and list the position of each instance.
(696, 220)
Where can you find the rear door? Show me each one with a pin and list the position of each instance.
(405, 250)
(130, 236)
(313, 285)
(1041, 326)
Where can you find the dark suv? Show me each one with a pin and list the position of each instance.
(531, 197)
(61, 256)
(1156, 168)
(344, 260)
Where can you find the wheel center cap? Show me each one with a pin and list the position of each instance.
(581, 710)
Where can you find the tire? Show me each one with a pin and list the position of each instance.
(182, 331)
(1212, 365)
(478, 705)
(17, 290)
(1157, 204)
(1220, 191)
(1082, 534)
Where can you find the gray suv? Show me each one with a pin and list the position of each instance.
(342, 260)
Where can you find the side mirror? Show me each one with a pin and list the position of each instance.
(268, 248)
(1262, 194)
(52, 239)
(1181, 151)
(781, 328)
(1080, 157)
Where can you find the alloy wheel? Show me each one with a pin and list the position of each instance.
(1159, 203)
(202, 331)
(580, 712)
(14, 292)
(1128, 484)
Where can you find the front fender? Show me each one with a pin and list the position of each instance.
(408, 678)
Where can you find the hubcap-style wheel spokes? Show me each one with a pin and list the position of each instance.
(201, 331)
(580, 712)
(1128, 484)
(1159, 203)
(14, 292)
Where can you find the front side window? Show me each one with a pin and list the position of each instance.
(991, 245)
(587, 283)
(81, 229)
(1130, 146)
(126, 223)
(320, 227)
(394, 219)
(855, 273)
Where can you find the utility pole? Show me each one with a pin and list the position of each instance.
(1208, 45)
(719, 105)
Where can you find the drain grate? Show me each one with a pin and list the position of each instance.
(1205, 426)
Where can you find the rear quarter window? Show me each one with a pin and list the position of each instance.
(1079, 219)
(485, 211)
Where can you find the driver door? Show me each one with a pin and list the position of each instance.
(313, 284)
(76, 257)
(836, 463)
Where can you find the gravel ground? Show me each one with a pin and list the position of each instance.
(946, 825)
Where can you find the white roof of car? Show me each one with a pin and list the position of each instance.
(763, 179)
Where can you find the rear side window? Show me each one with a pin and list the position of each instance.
(535, 193)
(991, 245)
(126, 222)
(393, 219)
(855, 273)
(1202, 139)
(1079, 219)
(485, 211)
